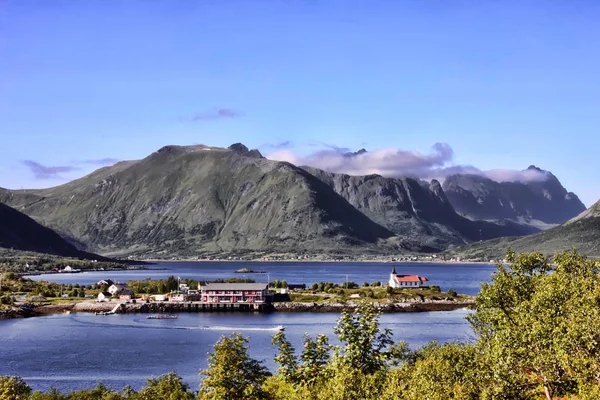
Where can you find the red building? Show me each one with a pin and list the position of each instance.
(235, 293)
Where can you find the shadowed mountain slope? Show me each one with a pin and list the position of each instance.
(542, 201)
(409, 208)
(19, 232)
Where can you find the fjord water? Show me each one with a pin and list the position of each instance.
(79, 350)
(463, 278)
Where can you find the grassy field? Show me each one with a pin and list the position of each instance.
(340, 295)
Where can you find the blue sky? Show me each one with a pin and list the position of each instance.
(505, 84)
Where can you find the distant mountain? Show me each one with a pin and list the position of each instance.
(189, 200)
(19, 232)
(581, 233)
(540, 202)
(411, 209)
(182, 201)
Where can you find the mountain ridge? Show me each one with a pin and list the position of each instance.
(581, 233)
(184, 200)
(543, 199)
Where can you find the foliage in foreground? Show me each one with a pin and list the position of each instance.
(538, 328)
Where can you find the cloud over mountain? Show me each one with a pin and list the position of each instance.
(47, 172)
(394, 162)
(213, 114)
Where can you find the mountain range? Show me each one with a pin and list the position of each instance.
(541, 202)
(581, 233)
(190, 200)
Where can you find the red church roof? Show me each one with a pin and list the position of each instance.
(411, 278)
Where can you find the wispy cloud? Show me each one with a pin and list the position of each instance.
(393, 162)
(48, 172)
(278, 146)
(99, 161)
(212, 115)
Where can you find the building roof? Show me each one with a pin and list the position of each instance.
(411, 278)
(235, 286)
(120, 285)
(106, 294)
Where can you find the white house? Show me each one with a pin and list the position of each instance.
(184, 288)
(406, 281)
(117, 289)
(104, 296)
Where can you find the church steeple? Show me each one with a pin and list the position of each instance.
(394, 270)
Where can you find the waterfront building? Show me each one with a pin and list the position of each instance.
(235, 293)
(406, 281)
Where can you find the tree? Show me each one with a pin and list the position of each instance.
(171, 284)
(364, 345)
(437, 372)
(13, 388)
(231, 373)
(539, 330)
(166, 387)
(315, 356)
(51, 394)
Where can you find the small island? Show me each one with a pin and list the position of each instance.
(249, 271)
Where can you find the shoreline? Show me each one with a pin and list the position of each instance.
(186, 307)
(377, 261)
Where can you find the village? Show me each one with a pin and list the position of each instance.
(254, 296)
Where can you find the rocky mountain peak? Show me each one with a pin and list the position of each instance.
(545, 200)
(355, 153)
(243, 150)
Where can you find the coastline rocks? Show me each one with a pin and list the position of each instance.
(411, 305)
(21, 312)
(386, 306)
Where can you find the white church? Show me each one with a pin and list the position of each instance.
(404, 281)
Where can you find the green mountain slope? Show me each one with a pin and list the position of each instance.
(581, 233)
(182, 201)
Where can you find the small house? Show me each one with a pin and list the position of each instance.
(297, 286)
(104, 296)
(184, 288)
(118, 289)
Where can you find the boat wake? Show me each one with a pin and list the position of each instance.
(242, 328)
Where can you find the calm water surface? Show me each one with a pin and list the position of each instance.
(77, 351)
(464, 278)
